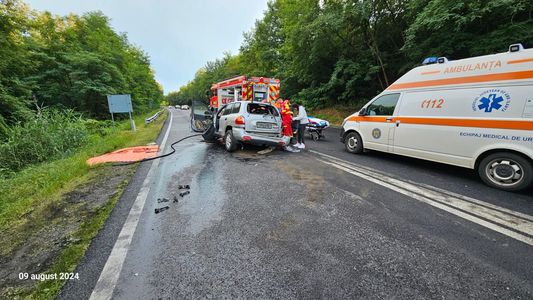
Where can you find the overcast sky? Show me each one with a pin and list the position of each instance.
(179, 36)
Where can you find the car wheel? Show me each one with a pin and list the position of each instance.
(353, 143)
(230, 143)
(506, 171)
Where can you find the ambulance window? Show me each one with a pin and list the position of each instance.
(383, 106)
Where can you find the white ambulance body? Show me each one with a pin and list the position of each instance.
(475, 113)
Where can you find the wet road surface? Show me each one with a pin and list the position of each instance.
(316, 225)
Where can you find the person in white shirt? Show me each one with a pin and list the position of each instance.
(302, 117)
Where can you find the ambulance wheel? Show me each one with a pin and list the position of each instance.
(230, 143)
(353, 143)
(506, 171)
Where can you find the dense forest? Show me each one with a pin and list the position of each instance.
(49, 61)
(344, 52)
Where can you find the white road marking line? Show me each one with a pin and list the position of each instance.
(466, 198)
(108, 278)
(478, 214)
(479, 210)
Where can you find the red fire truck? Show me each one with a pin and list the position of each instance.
(255, 89)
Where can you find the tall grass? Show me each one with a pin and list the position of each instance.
(50, 135)
(25, 196)
(43, 182)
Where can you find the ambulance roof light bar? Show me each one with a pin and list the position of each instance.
(442, 60)
(430, 60)
(516, 47)
(434, 60)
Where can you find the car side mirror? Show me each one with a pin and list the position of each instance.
(363, 112)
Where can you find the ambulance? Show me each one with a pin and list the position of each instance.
(475, 113)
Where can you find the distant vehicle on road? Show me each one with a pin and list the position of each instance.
(185, 107)
(178, 106)
(475, 113)
(248, 122)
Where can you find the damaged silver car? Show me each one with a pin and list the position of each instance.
(245, 122)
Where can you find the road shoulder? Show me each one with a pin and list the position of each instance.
(95, 258)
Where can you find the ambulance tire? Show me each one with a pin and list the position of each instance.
(230, 143)
(506, 164)
(353, 143)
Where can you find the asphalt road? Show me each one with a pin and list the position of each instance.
(319, 224)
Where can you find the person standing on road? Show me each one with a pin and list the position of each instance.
(286, 122)
(286, 118)
(302, 118)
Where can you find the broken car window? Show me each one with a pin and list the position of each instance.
(262, 109)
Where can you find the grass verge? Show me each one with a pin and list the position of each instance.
(335, 115)
(70, 257)
(34, 199)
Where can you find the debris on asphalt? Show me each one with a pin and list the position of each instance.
(290, 148)
(267, 150)
(185, 193)
(183, 187)
(158, 210)
(159, 200)
(175, 199)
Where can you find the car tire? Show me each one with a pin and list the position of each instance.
(209, 134)
(230, 143)
(506, 171)
(353, 143)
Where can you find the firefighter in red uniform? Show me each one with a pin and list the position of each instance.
(286, 118)
(278, 103)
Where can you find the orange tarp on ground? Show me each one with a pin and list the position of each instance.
(125, 155)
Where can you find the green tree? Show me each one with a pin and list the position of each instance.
(68, 62)
(15, 91)
(459, 29)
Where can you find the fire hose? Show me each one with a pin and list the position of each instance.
(160, 156)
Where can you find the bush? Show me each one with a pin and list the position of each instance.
(50, 135)
(101, 128)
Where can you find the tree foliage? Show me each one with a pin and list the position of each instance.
(344, 52)
(71, 62)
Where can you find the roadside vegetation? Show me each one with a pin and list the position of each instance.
(41, 199)
(55, 73)
(335, 115)
(48, 135)
(67, 62)
(342, 53)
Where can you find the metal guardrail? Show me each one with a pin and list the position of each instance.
(153, 118)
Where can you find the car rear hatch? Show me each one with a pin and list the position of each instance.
(262, 118)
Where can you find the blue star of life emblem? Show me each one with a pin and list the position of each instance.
(491, 102)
